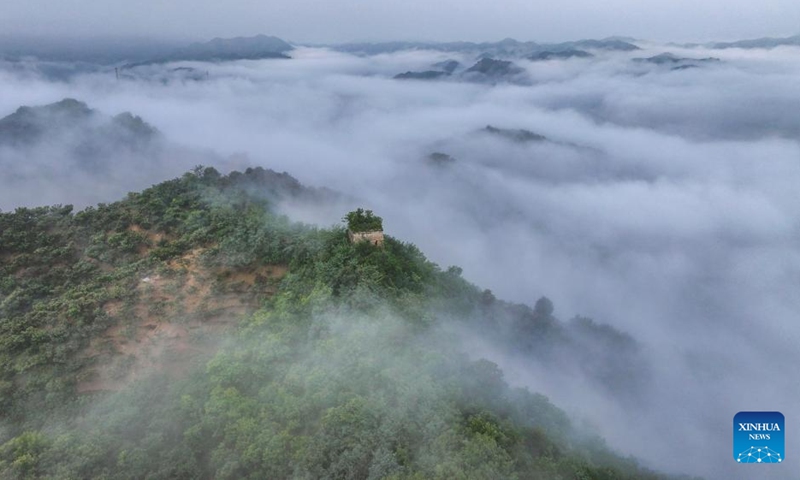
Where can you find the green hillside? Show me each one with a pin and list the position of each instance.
(190, 331)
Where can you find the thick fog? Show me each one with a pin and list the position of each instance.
(662, 202)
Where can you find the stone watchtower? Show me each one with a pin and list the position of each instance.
(364, 226)
(374, 237)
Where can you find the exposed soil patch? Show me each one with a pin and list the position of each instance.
(180, 313)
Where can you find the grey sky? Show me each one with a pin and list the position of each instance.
(348, 20)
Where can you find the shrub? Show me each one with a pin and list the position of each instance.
(361, 220)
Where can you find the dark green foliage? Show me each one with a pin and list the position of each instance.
(58, 270)
(346, 372)
(361, 220)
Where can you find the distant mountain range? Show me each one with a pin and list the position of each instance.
(250, 48)
(767, 42)
(676, 62)
(106, 51)
(559, 55)
(504, 48)
(491, 68)
(225, 49)
(90, 49)
(488, 70)
(754, 43)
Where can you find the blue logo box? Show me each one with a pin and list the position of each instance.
(758, 437)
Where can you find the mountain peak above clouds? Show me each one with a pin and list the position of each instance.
(257, 47)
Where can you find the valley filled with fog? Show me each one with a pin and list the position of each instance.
(655, 196)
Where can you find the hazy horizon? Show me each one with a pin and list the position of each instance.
(354, 21)
(155, 41)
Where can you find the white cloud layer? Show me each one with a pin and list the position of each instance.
(664, 203)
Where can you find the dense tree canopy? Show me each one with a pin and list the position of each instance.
(361, 220)
(346, 367)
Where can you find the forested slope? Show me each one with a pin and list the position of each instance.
(190, 331)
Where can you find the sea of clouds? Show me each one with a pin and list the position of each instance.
(664, 202)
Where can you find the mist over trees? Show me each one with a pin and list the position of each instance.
(616, 234)
(346, 370)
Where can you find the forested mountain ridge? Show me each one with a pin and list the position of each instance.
(190, 331)
(29, 125)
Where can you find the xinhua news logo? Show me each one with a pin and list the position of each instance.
(758, 437)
